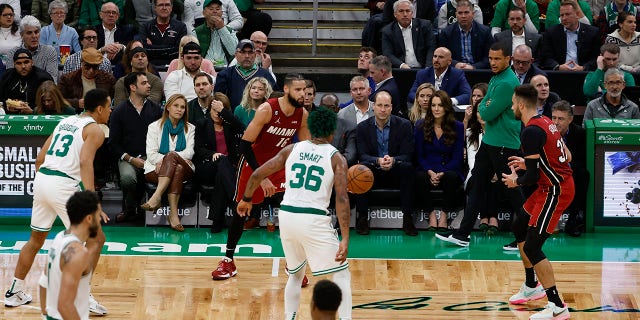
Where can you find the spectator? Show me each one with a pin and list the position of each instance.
(128, 127)
(360, 109)
(439, 143)
(58, 33)
(21, 82)
(161, 36)
(254, 19)
(217, 40)
(364, 58)
(447, 14)
(468, 40)
(443, 77)
(137, 61)
(9, 30)
(120, 68)
(263, 60)
(629, 42)
(139, 12)
(325, 300)
(49, 100)
(16, 6)
(88, 39)
(232, 80)
(612, 104)
(193, 16)
(168, 161)
(609, 58)
(255, 93)
(181, 81)
(73, 85)
(385, 145)
(309, 95)
(40, 10)
(607, 21)
(571, 45)
(409, 43)
(330, 101)
(523, 65)
(206, 66)
(574, 138)
(216, 156)
(199, 106)
(501, 17)
(92, 11)
(520, 33)
(380, 71)
(112, 36)
(421, 104)
(44, 57)
(375, 7)
(554, 16)
(546, 98)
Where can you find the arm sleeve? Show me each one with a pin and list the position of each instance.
(234, 17)
(533, 139)
(171, 84)
(500, 101)
(247, 152)
(532, 174)
(457, 154)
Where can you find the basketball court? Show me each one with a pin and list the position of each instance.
(156, 273)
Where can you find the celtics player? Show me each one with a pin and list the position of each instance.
(68, 269)
(65, 165)
(312, 169)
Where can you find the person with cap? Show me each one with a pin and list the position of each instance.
(217, 40)
(181, 80)
(43, 56)
(232, 80)
(75, 84)
(161, 36)
(263, 59)
(88, 39)
(139, 62)
(19, 84)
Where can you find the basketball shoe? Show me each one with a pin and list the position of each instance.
(225, 270)
(95, 307)
(18, 298)
(551, 311)
(527, 294)
(449, 237)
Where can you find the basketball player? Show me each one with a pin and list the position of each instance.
(272, 128)
(312, 169)
(325, 300)
(68, 271)
(546, 161)
(65, 165)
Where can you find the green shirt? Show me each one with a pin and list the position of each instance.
(595, 80)
(501, 128)
(245, 116)
(553, 13)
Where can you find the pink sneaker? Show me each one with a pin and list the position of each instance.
(225, 270)
(527, 294)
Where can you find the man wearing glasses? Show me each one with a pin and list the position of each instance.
(523, 65)
(88, 39)
(612, 104)
(161, 36)
(75, 84)
(112, 37)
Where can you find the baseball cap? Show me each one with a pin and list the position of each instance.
(22, 53)
(245, 43)
(209, 2)
(191, 48)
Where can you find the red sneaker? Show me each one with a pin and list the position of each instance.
(252, 223)
(225, 270)
(305, 281)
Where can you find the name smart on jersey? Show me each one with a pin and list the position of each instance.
(308, 156)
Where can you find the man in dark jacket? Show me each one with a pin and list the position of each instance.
(21, 82)
(72, 84)
(406, 30)
(161, 36)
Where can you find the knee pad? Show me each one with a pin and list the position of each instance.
(533, 248)
(520, 225)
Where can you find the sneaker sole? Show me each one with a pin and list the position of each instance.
(17, 305)
(560, 317)
(525, 300)
(97, 313)
(452, 240)
(223, 277)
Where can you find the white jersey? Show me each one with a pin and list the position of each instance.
(309, 178)
(54, 277)
(63, 156)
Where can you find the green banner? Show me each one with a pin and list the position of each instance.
(627, 125)
(28, 125)
(618, 138)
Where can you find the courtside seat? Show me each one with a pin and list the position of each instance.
(188, 198)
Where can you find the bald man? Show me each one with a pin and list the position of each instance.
(523, 65)
(444, 77)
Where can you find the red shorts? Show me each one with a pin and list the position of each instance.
(546, 205)
(278, 180)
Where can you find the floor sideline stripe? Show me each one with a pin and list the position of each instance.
(275, 267)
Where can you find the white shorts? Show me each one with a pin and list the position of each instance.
(50, 195)
(309, 237)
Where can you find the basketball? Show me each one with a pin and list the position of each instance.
(359, 179)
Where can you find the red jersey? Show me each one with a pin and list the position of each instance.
(553, 164)
(276, 134)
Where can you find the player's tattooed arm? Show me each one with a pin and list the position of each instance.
(343, 210)
(74, 263)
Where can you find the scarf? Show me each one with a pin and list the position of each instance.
(611, 11)
(169, 129)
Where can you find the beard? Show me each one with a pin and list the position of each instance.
(93, 229)
(517, 114)
(294, 102)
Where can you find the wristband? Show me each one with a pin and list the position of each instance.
(246, 199)
(130, 159)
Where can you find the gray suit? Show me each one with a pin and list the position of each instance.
(531, 39)
(344, 138)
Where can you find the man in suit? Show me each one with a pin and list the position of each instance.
(380, 71)
(72, 84)
(443, 77)
(523, 65)
(344, 138)
(474, 54)
(518, 34)
(112, 37)
(409, 43)
(571, 45)
(389, 161)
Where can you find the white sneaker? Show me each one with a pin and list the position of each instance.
(14, 299)
(95, 307)
(551, 311)
(527, 294)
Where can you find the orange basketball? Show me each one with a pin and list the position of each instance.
(359, 179)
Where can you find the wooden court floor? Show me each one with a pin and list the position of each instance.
(161, 287)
